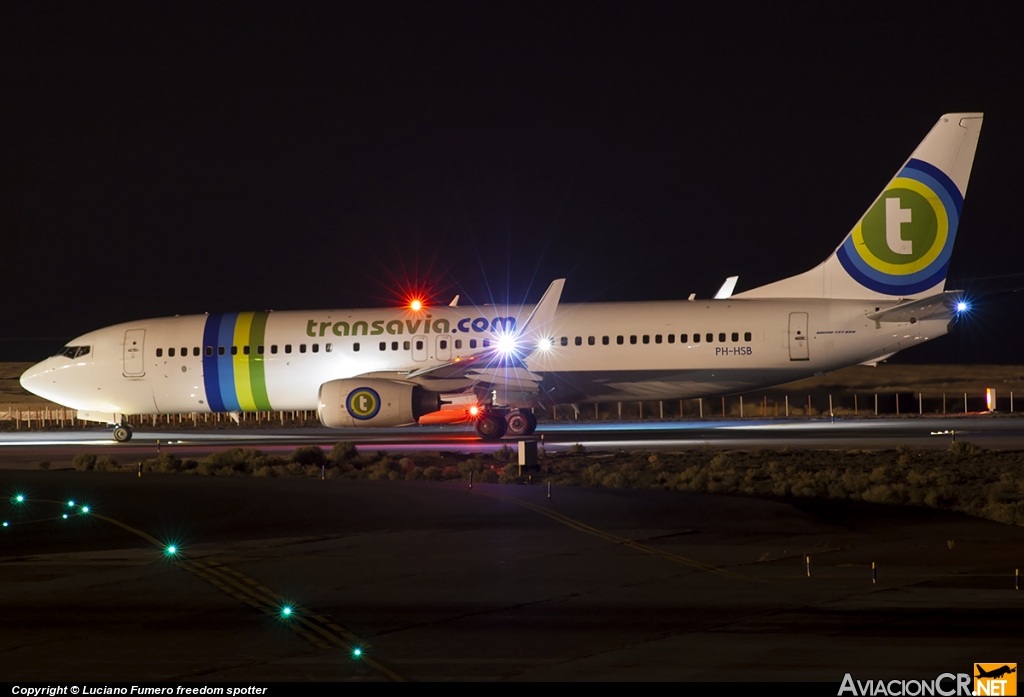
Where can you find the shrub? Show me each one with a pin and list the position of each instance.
(504, 454)
(342, 452)
(309, 455)
(84, 462)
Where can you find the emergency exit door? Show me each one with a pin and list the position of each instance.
(799, 349)
(134, 362)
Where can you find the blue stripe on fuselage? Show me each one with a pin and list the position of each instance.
(226, 363)
(210, 372)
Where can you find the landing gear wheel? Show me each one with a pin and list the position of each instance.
(520, 423)
(490, 427)
(122, 434)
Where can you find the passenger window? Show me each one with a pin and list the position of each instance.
(288, 348)
(273, 348)
(328, 347)
(472, 343)
(159, 353)
(444, 344)
(316, 348)
(302, 348)
(195, 350)
(647, 338)
(604, 341)
(406, 345)
(709, 337)
(245, 350)
(355, 346)
(394, 345)
(619, 339)
(170, 352)
(259, 350)
(579, 341)
(746, 336)
(683, 338)
(696, 338)
(632, 338)
(564, 341)
(234, 350)
(657, 338)
(209, 350)
(671, 338)
(735, 336)
(419, 345)
(721, 337)
(487, 343)
(184, 352)
(220, 350)
(458, 343)
(383, 346)
(590, 341)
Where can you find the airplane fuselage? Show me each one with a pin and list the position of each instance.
(600, 352)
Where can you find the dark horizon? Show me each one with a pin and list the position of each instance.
(243, 156)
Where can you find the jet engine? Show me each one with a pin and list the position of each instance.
(355, 403)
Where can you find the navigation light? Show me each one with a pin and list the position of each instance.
(962, 306)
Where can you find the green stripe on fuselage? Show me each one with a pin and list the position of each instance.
(257, 374)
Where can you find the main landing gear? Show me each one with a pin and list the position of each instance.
(495, 423)
(122, 434)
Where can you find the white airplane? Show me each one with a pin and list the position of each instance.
(880, 292)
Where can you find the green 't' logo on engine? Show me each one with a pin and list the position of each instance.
(363, 403)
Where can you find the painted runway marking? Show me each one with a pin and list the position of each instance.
(314, 628)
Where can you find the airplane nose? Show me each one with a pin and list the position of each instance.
(33, 379)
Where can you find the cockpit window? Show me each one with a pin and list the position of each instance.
(74, 351)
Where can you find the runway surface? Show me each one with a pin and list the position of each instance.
(25, 449)
(439, 582)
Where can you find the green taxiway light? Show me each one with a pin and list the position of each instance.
(6, 524)
(357, 652)
(71, 503)
(85, 509)
(20, 498)
(171, 550)
(65, 516)
(286, 611)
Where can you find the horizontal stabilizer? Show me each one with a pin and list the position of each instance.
(941, 306)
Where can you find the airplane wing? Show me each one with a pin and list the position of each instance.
(503, 365)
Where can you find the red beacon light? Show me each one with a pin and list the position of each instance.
(474, 411)
(416, 305)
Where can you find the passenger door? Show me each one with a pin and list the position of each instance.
(799, 349)
(134, 361)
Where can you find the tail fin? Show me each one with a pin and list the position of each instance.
(900, 248)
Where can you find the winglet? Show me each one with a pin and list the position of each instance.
(454, 302)
(544, 313)
(727, 288)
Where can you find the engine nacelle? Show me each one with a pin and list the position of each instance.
(356, 403)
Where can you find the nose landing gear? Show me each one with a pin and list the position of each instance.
(122, 434)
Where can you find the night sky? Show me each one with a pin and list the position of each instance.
(178, 158)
